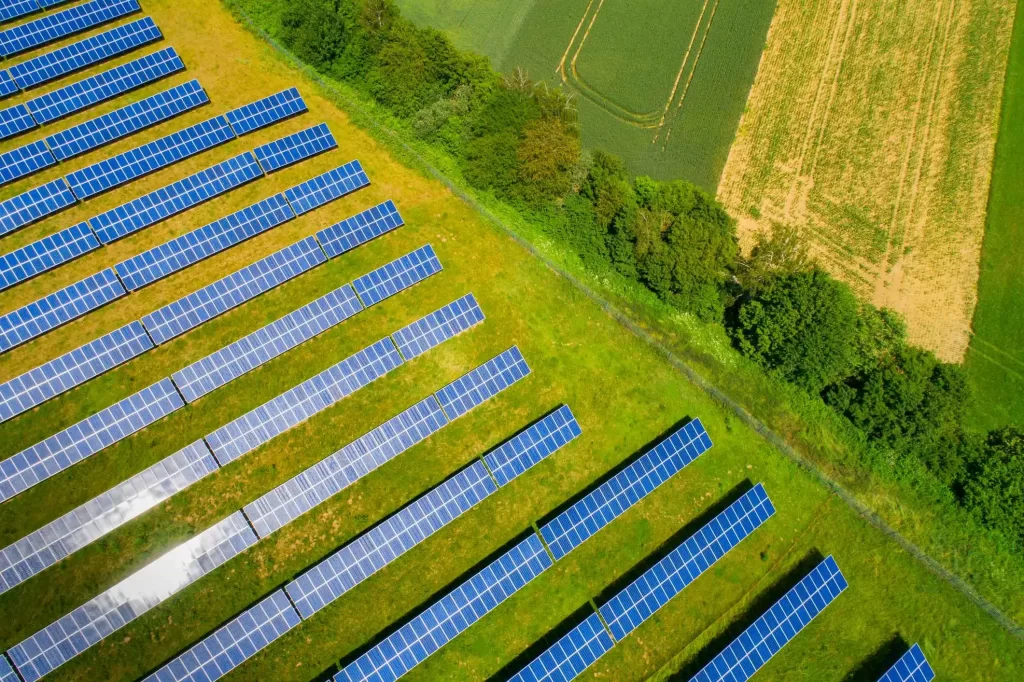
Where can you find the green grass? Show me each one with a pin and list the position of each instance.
(995, 360)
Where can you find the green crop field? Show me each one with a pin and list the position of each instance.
(661, 84)
(623, 392)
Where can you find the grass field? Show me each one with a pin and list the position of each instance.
(661, 84)
(871, 126)
(995, 361)
(623, 392)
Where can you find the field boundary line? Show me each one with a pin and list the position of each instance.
(689, 80)
(682, 69)
(623, 319)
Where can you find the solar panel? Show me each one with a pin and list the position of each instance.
(359, 229)
(36, 203)
(570, 655)
(188, 312)
(326, 188)
(179, 196)
(534, 444)
(103, 86)
(60, 451)
(12, 9)
(36, 386)
(490, 378)
(438, 327)
(612, 498)
(262, 113)
(51, 27)
(298, 404)
(266, 343)
(24, 161)
(397, 275)
(135, 595)
(451, 615)
(46, 253)
(912, 667)
(84, 53)
(7, 673)
(50, 312)
(7, 85)
(234, 643)
(194, 246)
(46, 4)
(659, 584)
(45, 547)
(772, 631)
(125, 121)
(294, 148)
(15, 120)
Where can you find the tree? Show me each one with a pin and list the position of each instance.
(547, 153)
(784, 253)
(314, 31)
(995, 495)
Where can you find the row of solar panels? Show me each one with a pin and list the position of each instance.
(51, 27)
(13, 9)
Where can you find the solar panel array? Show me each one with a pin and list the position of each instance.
(586, 517)
(7, 673)
(296, 147)
(397, 275)
(359, 229)
(34, 204)
(912, 667)
(62, 450)
(15, 120)
(438, 327)
(53, 27)
(60, 307)
(46, 253)
(772, 631)
(570, 655)
(36, 386)
(132, 597)
(303, 401)
(261, 113)
(472, 389)
(45, 547)
(7, 86)
(12, 9)
(174, 319)
(325, 188)
(536, 443)
(24, 161)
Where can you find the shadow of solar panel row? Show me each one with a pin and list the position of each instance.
(62, 306)
(135, 595)
(396, 276)
(45, 547)
(194, 246)
(261, 113)
(359, 229)
(53, 27)
(24, 161)
(772, 631)
(34, 204)
(233, 644)
(437, 327)
(326, 188)
(912, 667)
(294, 148)
(47, 253)
(12, 9)
(451, 615)
(103, 86)
(266, 343)
(84, 53)
(179, 196)
(571, 528)
(298, 404)
(124, 122)
(15, 120)
(7, 86)
(188, 312)
(570, 655)
(536, 443)
(36, 386)
(473, 388)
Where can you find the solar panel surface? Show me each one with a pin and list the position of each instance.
(34, 204)
(912, 667)
(15, 120)
(7, 85)
(439, 326)
(397, 275)
(570, 655)
(359, 229)
(7, 673)
(47, 4)
(46, 253)
(490, 378)
(12, 9)
(326, 188)
(24, 161)
(294, 148)
(534, 444)
(51, 27)
(266, 111)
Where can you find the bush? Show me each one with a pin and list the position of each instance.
(996, 492)
(314, 31)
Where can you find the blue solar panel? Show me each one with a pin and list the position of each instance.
(266, 343)
(84, 53)
(47, 4)
(45, 547)
(912, 667)
(53, 27)
(45, 254)
(570, 655)
(36, 203)
(359, 229)
(327, 187)
(294, 148)
(298, 404)
(12, 9)
(7, 673)
(472, 389)
(179, 196)
(15, 120)
(194, 246)
(176, 318)
(7, 85)
(72, 369)
(450, 616)
(62, 306)
(262, 113)
(612, 498)
(24, 161)
(397, 275)
(772, 631)
(438, 327)
(103, 86)
(234, 643)
(58, 452)
(536, 443)
(125, 121)
(135, 595)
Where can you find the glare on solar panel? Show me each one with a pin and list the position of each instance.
(51, 27)
(439, 326)
(15, 120)
(534, 444)
(72, 369)
(7, 85)
(12, 9)
(359, 229)
(45, 254)
(397, 275)
(262, 113)
(36, 203)
(294, 148)
(472, 389)
(570, 655)
(24, 161)
(325, 188)
(188, 312)
(912, 667)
